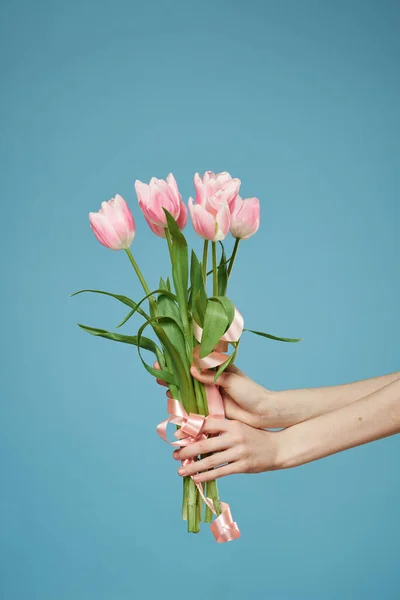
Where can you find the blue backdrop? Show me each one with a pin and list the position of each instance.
(301, 101)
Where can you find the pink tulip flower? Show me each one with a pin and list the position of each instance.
(215, 189)
(245, 217)
(155, 196)
(213, 226)
(113, 225)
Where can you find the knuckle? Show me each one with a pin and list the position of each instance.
(245, 465)
(242, 451)
(212, 461)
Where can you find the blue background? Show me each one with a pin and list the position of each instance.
(300, 99)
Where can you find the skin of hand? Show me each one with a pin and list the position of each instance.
(240, 444)
(250, 403)
(238, 448)
(246, 401)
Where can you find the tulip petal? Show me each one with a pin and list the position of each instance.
(200, 189)
(245, 219)
(223, 176)
(223, 221)
(104, 231)
(171, 181)
(203, 221)
(142, 192)
(157, 229)
(230, 189)
(122, 220)
(182, 219)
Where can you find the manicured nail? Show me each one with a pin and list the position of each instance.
(182, 471)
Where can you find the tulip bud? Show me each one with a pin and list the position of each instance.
(113, 225)
(215, 189)
(156, 196)
(210, 226)
(245, 217)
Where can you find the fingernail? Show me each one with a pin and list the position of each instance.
(182, 471)
(176, 454)
(196, 478)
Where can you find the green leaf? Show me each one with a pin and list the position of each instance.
(168, 308)
(143, 342)
(123, 299)
(228, 362)
(219, 315)
(222, 273)
(136, 308)
(274, 337)
(215, 324)
(182, 377)
(180, 273)
(227, 305)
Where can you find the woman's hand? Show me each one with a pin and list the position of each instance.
(244, 399)
(237, 448)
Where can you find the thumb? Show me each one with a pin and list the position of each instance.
(236, 413)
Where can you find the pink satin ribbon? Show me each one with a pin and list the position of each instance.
(224, 528)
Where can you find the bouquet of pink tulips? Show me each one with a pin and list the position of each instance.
(190, 326)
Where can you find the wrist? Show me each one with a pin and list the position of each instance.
(292, 448)
(281, 409)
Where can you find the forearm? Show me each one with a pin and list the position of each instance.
(295, 406)
(375, 416)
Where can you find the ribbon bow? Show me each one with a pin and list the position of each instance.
(224, 528)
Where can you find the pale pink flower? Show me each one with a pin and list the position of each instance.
(214, 189)
(245, 217)
(155, 196)
(113, 225)
(210, 226)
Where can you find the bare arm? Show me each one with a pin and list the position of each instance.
(240, 448)
(375, 416)
(254, 405)
(295, 406)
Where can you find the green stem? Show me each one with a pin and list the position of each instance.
(205, 258)
(215, 269)
(211, 486)
(212, 492)
(152, 302)
(232, 259)
(193, 523)
(138, 271)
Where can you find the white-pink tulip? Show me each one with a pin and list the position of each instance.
(215, 189)
(245, 217)
(155, 196)
(213, 226)
(113, 225)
